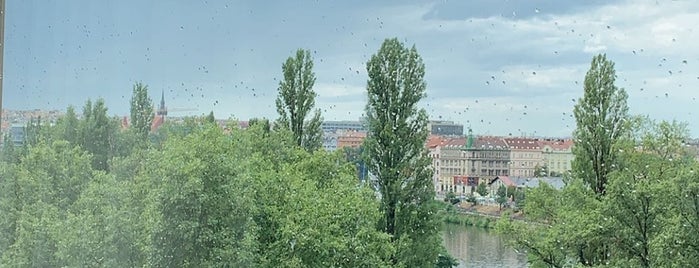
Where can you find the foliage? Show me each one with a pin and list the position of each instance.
(541, 171)
(395, 153)
(601, 117)
(296, 100)
(482, 189)
(141, 111)
(451, 198)
(501, 196)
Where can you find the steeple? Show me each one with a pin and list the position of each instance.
(469, 142)
(162, 110)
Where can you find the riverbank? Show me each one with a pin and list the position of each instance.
(476, 216)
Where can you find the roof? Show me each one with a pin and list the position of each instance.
(557, 145)
(522, 144)
(157, 122)
(433, 141)
(454, 142)
(489, 142)
(555, 182)
(505, 180)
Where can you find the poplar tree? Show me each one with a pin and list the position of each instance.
(141, 111)
(601, 117)
(296, 99)
(396, 154)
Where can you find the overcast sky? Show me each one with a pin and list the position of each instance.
(501, 67)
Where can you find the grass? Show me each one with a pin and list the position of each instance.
(453, 216)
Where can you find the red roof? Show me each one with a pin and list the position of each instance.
(504, 179)
(157, 122)
(557, 145)
(522, 144)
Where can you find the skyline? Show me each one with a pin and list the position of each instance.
(515, 66)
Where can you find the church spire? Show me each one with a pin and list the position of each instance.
(162, 110)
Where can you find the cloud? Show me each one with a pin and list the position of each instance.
(331, 91)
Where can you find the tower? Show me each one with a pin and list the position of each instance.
(162, 110)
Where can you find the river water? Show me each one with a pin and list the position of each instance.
(477, 247)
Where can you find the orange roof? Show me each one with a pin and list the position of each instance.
(557, 145)
(522, 143)
(157, 122)
(504, 179)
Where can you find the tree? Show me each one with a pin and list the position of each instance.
(638, 194)
(296, 99)
(396, 155)
(451, 198)
(541, 171)
(601, 117)
(482, 190)
(210, 118)
(97, 131)
(69, 124)
(141, 111)
(501, 196)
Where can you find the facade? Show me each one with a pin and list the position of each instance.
(498, 181)
(445, 128)
(335, 126)
(452, 163)
(18, 133)
(525, 156)
(557, 155)
(352, 139)
(330, 141)
(433, 151)
(488, 157)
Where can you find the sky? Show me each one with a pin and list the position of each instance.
(499, 67)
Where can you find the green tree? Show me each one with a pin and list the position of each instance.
(296, 99)
(97, 133)
(601, 117)
(541, 171)
(141, 111)
(482, 190)
(637, 197)
(205, 216)
(48, 180)
(501, 196)
(69, 125)
(396, 154)
(210, 118)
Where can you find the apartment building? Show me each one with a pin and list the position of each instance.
(557, 155)
(488, 157)
(445, 128)
(352, 139)
(525, 156)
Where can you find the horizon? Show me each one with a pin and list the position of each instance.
(209, 57)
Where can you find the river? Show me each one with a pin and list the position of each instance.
(477, 247)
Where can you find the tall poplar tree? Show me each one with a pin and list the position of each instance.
(601, 117)
(141, 111)
(296, 100)
(396, 154)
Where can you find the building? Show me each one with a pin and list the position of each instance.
(488, 157)
(330, 141)
(451, 163)
(498, 181)
(555, 182)
(335, 126)
(18, 133)
(352, 139)
(525, 156)
(557, 155)
(445, 128)
(160, 115)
